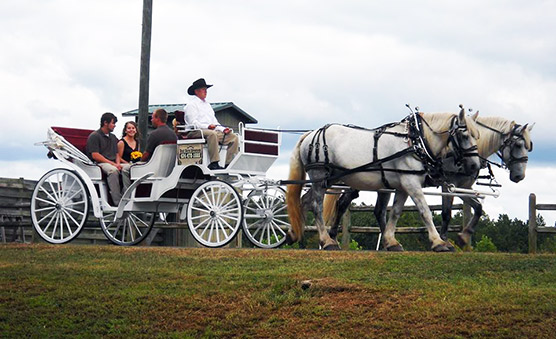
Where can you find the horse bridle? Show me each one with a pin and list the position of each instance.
(455, 131)
(510, 139)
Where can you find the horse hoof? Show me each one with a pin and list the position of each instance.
(461, 242)
(289, 240)
(395, 248)
(443, 248)
(332, 247)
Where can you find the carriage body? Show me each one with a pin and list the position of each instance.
(175, 181)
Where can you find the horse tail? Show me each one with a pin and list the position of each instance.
(293, 195)
(330, 208)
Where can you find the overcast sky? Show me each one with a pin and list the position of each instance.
(294, 64)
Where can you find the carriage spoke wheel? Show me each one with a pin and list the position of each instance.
(132, 228)
(59, 206)
(214, 213)
(266, 218)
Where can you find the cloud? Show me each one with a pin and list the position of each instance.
(293, 64)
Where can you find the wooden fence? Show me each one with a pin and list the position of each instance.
(15, 214)
(346, 222)
(15, 221)
(535, 229)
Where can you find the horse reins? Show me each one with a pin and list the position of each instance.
(508, 142)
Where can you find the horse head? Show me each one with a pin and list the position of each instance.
(514, 150)
(463, 142)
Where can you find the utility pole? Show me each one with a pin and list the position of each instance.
(144, 74)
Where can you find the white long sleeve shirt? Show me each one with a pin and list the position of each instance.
(200, 114)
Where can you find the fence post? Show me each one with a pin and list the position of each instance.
(346, 228)
(532, 223)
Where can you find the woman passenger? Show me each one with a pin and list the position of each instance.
(129, 142)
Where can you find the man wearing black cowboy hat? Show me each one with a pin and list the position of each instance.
(198, 112)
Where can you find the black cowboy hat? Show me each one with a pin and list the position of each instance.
(199, 83)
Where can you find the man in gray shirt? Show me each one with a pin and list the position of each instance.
(161, 134)
(102, 148)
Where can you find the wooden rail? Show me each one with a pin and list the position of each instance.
(535, 229)
(15, 216)
(346, 222)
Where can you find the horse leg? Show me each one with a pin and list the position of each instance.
(447, 203)
(438, 245)
(464, 238)
(343, 205)
(381, 206)
(389, 239)
(316, 204)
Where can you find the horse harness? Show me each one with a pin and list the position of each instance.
(510, 139)
(418, 146)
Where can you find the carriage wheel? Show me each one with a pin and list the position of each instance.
(59, 206)
(132, 228)
(266, 219)
(214, 213)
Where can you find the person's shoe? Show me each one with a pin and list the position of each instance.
(214, 166)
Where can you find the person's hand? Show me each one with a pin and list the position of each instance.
(118, 166)
(227, 130)
(211, 126)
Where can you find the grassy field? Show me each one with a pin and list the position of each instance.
(92, 291)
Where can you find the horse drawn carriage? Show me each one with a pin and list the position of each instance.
(176, 181)
(217, 203)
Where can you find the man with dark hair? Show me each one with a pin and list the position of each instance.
(162, 133)
(199, 113)
(102, 148)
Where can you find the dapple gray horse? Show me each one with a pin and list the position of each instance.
(382, 163)
(511, 141)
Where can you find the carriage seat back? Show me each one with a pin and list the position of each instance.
(75, 136)
(161, 163)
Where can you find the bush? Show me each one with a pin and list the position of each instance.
(485, 245)
(354, 246)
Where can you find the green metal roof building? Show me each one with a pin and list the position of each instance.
(227, 113)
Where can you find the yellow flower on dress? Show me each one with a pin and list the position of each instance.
(136, 156)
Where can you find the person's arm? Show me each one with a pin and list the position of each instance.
(97, 157)
(121, 151)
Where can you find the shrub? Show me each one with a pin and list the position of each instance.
(485, 245)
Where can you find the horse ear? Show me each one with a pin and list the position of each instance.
(475, 116)
(530, 127)
(461, 113)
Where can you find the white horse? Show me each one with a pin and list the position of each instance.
(511, 141)
(374, 159)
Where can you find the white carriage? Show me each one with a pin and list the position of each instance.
(176, 180)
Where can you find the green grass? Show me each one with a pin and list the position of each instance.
(92, 291)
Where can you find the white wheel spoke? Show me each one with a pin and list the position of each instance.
(226, 223)
(204, 211)
(49, 222)
(203, 203)
(201, 224)
(45, 209)
(282, 222)
(276, 227)
(54, 191)
(74, 211)
(52, 199)
(208, 200)
(68, 191)
(66, 222)
(66, 214)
